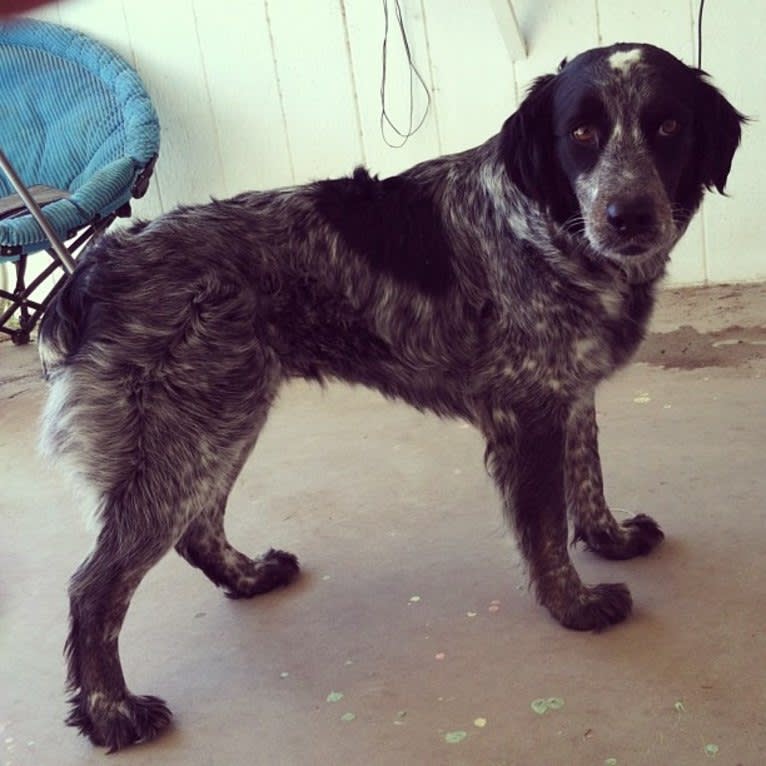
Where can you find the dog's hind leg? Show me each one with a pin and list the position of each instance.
(525, 455)
(144, 515)
(100, 591)
(204, 545)
(593, 522)
(155, 424)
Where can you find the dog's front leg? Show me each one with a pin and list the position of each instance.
(592, 520)
(525, 455)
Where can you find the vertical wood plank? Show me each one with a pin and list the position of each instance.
(505, 17)
(237, 58)
(473, 93)
(733, 53)
(667, 25)
(168, 58)
(315, 81)
(552, 30)
(687, 261)
(366, 30)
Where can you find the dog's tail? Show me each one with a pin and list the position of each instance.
(62, 327)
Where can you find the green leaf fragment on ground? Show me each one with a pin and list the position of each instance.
(348, 717)
(542, 706)
(335, 696)
(711, 750)
(453, 737)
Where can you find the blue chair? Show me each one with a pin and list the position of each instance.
(78, 140)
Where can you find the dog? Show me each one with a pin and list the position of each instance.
(498, 285)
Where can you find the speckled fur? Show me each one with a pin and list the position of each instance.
(482, 286)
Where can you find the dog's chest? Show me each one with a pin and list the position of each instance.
(560, 347)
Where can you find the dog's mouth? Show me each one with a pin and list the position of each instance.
(634, 249)
(641, 258)
(613, 246)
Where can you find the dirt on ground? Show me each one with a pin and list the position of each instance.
(719, 326)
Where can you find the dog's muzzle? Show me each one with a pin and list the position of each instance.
(629, 226)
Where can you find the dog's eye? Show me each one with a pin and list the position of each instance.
(669, 128)
(585, 134)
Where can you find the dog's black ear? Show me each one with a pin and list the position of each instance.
(719, 129)
(526, 140)
(527, 146)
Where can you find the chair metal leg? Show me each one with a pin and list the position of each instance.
(30, 311)
(66, 260)
(21, 336)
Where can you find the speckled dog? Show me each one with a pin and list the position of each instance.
(499, 285)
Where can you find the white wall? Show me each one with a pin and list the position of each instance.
(260, 93)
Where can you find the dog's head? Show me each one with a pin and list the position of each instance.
(618, 147)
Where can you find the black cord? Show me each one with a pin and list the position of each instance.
(384, 117)
(699, 34)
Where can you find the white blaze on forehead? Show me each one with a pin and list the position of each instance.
(622, 61)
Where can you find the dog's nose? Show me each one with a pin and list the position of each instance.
(631, 216)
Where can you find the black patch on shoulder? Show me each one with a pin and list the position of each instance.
(393, 224)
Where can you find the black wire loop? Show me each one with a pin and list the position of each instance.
(385, 119)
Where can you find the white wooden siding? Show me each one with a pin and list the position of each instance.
(263, 93)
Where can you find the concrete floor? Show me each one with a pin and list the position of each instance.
(412, 604)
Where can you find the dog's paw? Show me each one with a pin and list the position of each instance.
(636, 536)
(274, 569)
(597, 608)
(118, 723)
(579, 607)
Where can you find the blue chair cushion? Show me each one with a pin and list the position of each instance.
(74, 116)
